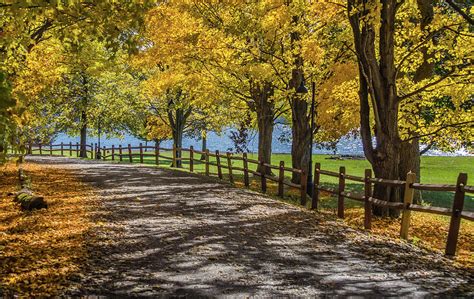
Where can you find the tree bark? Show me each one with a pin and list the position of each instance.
(204, 147)
(177, 118)
(83, 133)
(386, 166)
(301, 127)
(410, 161)
(301, 137)
(264, 107)
(83, 141)
(178, 130)
(377, 74)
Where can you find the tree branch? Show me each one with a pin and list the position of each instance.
(440, 129)
(439, 80)
(460, 11)
(427, 148)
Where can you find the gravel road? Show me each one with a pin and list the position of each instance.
(170, 233)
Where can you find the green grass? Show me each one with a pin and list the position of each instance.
(434, 170)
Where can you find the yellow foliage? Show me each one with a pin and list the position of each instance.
(338, 103)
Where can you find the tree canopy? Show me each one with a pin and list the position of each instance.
(397, 72)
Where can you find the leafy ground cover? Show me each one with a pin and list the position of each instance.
(42, 251)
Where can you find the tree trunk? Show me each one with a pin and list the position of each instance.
(25, 197)
(177, 118)
(265, 132)
(377, 75)
(178, 134)
(178, 143)
(204, 146)
(83, 141)
(264, 107)
(301, 127)
(385, 166)
(301, 135)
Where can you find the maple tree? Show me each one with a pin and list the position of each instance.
(391, 53)
(26, 24)
(85, 89)
(247, 50)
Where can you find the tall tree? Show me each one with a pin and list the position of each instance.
(383, 72)
(27, 24)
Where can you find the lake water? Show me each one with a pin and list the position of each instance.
(347, 146)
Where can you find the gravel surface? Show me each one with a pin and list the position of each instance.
(171, 233)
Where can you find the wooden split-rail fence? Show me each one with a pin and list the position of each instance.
(224, 161)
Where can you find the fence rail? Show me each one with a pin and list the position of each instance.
(224, 161)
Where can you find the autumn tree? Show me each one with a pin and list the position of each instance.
(177, 88)
(27, 24)
(249, 50)
(390, 51)
(81, 88)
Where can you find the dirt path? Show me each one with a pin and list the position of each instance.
(172, 233)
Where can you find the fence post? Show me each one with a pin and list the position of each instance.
(229, 167)
(206, 153)
(120, 152)
(70, 148)
(407, 200)
(367, 203)
(456, 215)
(40, 150)
(315, 197)
(130, 158)
(173, 163)
(340, 196)
(191, 158)
(77, 149)
(104, 152)
(62, 149)
(263, 179)
(92, 151)
(304, 184)
(218, 162)
(113, 152)
(246, 170)
(30, 149)
(50, 149)
(281, 177)
(141, 153)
